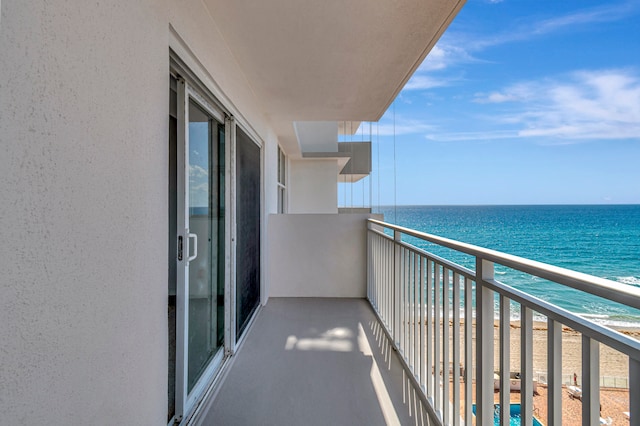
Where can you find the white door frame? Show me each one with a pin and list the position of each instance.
(185, 400)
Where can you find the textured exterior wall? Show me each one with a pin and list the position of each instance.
(83, 216)
(318, 255)
(313, 186)
(83, 211)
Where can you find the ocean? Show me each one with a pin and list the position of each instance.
(600, 240)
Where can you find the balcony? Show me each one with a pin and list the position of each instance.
(409, 355)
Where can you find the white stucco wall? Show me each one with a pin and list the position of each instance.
(313, 186)
(83, 183)
(318, 255)
(83, 211)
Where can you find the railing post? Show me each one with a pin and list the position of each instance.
(456, 349)
(446, 281)
(505, 360)
(484, 343)
(591, 381)
(468, 350)
(437, 340)
(634, 391)
(369, 265)
(526, 366)
(554, 375)
(422, 357)
(397, 265)
(430, 371)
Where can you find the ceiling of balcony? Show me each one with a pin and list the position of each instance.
(330, 60)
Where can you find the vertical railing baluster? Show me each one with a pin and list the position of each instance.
(374, 268)
(380, 281)
(554, 373)
(381, 287)
(484, 343)
(422, 354)
(412, 300)
(445, 344)
(385, 283)
(368, 265)
(456, 348)
(411, 315)
(526, 366)
(634, 391)
(468, 350)
(396, 287)
(403, 318)
(417, 350)
(405, 305)
(405, 270)
(505, 360)
(590, 381)
(390, 288)
(407, 329)
(437, 341)
(429, 327)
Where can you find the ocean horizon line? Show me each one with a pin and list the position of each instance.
(391, 206)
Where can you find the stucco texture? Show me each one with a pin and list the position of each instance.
(83, 212)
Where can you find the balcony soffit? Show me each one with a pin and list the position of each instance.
(329, 60)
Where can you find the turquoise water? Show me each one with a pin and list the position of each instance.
(601, 240)
(514, 415)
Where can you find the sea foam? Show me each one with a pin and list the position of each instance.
(629, 280)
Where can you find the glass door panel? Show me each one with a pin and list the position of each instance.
(206, 241)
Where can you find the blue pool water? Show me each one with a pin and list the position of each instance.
(514, 414)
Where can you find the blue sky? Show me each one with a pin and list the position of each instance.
(520, 102)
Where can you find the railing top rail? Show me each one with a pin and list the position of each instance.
(611, 290)
(601, 333)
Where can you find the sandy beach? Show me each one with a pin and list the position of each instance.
(612, 362)
(613, 365)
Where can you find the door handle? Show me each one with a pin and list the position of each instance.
(195, 246)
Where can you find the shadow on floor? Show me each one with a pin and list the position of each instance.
(315, 362)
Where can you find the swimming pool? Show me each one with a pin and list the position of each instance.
(514, 413)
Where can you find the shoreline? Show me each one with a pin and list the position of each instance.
(612, 363)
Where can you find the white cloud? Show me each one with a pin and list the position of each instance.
(537, 28)
(402, 127)
(446, 53)
(581, 106)
(423, 82)
(514, 93)
(457, 47)
(472, 136)
(592, 105)
(607, 13)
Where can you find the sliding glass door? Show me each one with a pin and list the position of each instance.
(197, 244)
(204, 235)
(215, 179)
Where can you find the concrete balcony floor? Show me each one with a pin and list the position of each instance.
(315, 361)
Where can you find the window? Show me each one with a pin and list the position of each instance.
(282, 182)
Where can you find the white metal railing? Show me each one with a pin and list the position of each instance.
(421, 298)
